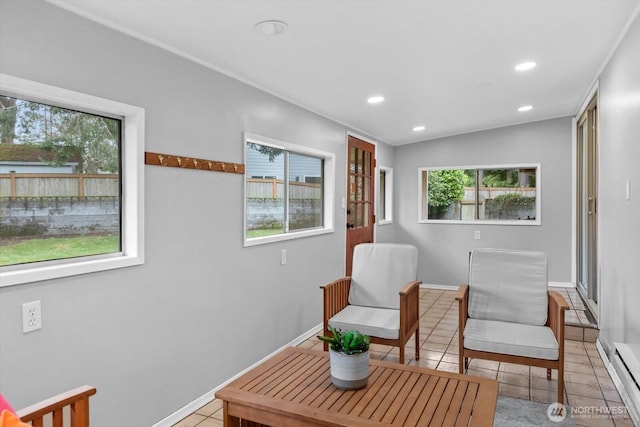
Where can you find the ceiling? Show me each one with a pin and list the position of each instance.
(445, 64)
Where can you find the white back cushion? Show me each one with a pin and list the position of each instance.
(379, 271)
(509, 286)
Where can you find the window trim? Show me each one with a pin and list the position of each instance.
(328, 191)
(388, 196)
(536, 222)
(132, 178)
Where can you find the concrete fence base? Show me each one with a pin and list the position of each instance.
(50, 216)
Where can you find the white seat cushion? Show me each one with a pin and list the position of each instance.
(380, 271)
(509, 286)
(510, 338)
(375, 322)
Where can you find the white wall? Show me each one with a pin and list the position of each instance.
(619, 228)
(202, 308)
(444, 248)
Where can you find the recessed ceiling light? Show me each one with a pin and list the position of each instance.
(525, 66)
(270, 27)
(525, 108)
(375, 99)
(419, 128)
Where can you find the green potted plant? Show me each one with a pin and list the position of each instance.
(349, 358)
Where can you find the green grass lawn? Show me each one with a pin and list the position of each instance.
(263, 232)
(33, 250)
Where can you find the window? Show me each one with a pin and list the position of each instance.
(287, 190)
(508, 194)
(70, 182)
(385, 198)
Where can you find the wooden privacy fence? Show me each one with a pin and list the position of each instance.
(492, 192)
(58, 184)
(258, 188)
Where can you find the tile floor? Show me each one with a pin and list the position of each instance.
(587, 383)
(579, 326)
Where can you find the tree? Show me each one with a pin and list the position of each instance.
(92, 140)
(7, 119)
(445, 186)
(265, 150)
(500, 178)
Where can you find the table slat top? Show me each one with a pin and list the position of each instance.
(297, 383)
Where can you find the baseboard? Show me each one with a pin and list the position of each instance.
(455, 288)
(442, 287)
(191, 407)
(628, 401)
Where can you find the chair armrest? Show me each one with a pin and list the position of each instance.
(335, 298)
(77, 398)
(409, 306)
(555, 315)
(462, 296)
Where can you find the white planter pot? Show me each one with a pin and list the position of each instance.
(349, 371)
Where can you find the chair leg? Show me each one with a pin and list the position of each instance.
(417, 344)
(461, 363)
(561, 384)
(548, 373)
(326, 346)
(401, 354)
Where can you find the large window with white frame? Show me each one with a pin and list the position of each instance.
(288, 190)
(502, 194)
(71, 182)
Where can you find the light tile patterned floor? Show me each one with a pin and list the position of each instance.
(587, 383)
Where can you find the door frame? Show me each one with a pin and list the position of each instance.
(593, 92)
(376, 188)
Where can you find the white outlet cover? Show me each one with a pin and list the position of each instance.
(31, 316)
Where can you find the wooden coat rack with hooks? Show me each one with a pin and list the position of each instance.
(185, 162)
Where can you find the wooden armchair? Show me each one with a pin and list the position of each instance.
(508, 315)
(77, 400)
(380, 298)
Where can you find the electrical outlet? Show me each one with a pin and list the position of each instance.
(31, 316)
(283, 257)
(476, 235)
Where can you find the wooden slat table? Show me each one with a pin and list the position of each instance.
(294, 389)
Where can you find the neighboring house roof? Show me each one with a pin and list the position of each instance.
(29, 153)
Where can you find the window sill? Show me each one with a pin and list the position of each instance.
(283, 237)
(23, 274)
(385, 222)
(479, 222)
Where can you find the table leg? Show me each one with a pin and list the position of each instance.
(228, 420)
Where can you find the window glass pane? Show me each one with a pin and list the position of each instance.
(352, 215)
(60, 183)
(381, 197)
(367, 214)
(507, 194)
(352, 160)
(446, 194)
(367, 163)
(367, 189)
(305, 192)
(265, 195)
